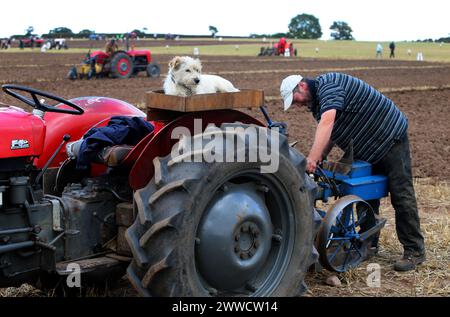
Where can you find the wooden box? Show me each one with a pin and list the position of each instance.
(230, 100)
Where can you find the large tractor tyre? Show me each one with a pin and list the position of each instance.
(153, 70)
(224, 229)
(121, 66)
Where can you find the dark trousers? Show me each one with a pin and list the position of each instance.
(396, 165)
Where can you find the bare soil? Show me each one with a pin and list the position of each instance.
(426, 109)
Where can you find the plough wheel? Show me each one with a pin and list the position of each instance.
(338, 241)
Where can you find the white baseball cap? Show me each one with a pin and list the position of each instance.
(287, 86)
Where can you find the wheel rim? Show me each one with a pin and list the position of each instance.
(341, 249)
(245, 238)
(123, 67)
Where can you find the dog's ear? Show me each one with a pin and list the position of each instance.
(175, 63)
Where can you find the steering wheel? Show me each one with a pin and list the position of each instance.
(36, 103)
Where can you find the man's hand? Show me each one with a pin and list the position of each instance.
(311, 165)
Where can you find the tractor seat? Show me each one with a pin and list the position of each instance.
(111, 156)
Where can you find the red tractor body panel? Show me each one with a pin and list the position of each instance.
(22, 135)
(97, 112)
(160, 142)
(100, 55)
(135, 53)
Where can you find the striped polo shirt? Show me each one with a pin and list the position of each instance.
(363, 114)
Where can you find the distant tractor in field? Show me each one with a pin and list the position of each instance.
(32, 42)
(56, 44)
(282, 47)
(119, 64)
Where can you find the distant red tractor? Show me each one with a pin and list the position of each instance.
(121, 64)
(32, 42)
(279, 48)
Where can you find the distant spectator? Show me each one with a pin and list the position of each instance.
(379, 50)
(392, 48)
(21, 45)
(291, 49)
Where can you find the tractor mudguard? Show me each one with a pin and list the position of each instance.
(97, 112)
(161, 143)
(100, 56)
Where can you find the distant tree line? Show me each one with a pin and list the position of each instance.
(302, 26)
(441, 40)
(307, 26)
(64, 32)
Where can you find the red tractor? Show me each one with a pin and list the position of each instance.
(188, 208)
(32, 42)
(279, 48)
(120, 64)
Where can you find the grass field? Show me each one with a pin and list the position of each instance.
(435, 52)
(326, 49)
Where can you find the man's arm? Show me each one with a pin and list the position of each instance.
(321, 140)
(328, 149)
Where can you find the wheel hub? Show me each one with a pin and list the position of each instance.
(247, 237)
(123, 66)
(235, 236)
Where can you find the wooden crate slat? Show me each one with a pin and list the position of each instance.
(235, 100)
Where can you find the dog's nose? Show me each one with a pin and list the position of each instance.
(196, 80)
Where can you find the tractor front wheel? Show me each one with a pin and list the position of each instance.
(224, 228)
(153, 71)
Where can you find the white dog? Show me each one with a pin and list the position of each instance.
(185, 79)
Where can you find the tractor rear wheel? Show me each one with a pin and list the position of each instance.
(121, 66)
(221, 228)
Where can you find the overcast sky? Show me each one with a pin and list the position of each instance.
(381, 20)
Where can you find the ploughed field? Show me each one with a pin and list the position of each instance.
(420, 89)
